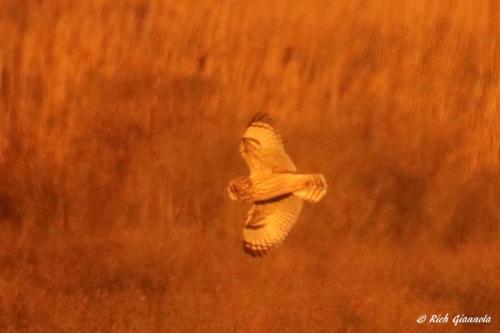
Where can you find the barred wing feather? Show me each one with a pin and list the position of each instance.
(269, 222)
(262, 148)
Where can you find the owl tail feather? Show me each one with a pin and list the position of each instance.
(315, 188)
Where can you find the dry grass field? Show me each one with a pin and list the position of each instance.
(119, 129)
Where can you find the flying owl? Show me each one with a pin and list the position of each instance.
(274, 187)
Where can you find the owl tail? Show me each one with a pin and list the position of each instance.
(315, 188)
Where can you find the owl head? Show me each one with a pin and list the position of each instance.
(239, 189)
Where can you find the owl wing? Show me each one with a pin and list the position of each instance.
(262, 148)
(269, 222)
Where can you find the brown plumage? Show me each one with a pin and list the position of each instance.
(274, 187)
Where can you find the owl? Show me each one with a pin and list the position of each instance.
(274, 187)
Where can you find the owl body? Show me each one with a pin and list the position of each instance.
(268, 186)
(274, 188)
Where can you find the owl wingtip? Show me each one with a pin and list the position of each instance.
(262, 117)
(254, 252)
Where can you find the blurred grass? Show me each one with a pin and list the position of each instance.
(119, 126)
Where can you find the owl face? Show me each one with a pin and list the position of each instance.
(238, 188)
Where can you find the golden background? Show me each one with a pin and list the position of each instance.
(119, 129)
